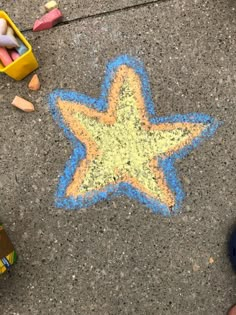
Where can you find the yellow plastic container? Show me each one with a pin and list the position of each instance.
(23, 65)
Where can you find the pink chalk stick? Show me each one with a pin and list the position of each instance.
(5, 57)
(14, 54)
(48, 20)
(8, 41)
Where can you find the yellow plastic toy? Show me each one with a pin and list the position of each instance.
(26, 63)
(7, 253)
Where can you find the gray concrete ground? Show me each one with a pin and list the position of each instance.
(117, 257)
(26, 13)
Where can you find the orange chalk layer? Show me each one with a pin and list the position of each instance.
(22, 104)
(34, 83)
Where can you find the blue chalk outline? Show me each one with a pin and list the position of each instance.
(79, 152)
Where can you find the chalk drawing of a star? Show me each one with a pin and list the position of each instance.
(120, 146)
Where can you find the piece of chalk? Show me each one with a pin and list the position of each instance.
(14, 54)
(22, 104)
(5, 57)
(9, 31)
(48, 20)
(8, 41)
(50, 5)
(232, 311)
(22, 49)
(34, 83)
(3, 26)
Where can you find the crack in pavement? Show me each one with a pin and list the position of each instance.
(100, 14)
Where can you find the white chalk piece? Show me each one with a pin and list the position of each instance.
(3, 26)
(8, 41)
(10, 31)
(50, 5)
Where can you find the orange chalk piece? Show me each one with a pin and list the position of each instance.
(48, 20)
(22, 104)
(5, 57)
(34, 83)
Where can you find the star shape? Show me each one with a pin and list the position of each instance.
(120, 146)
